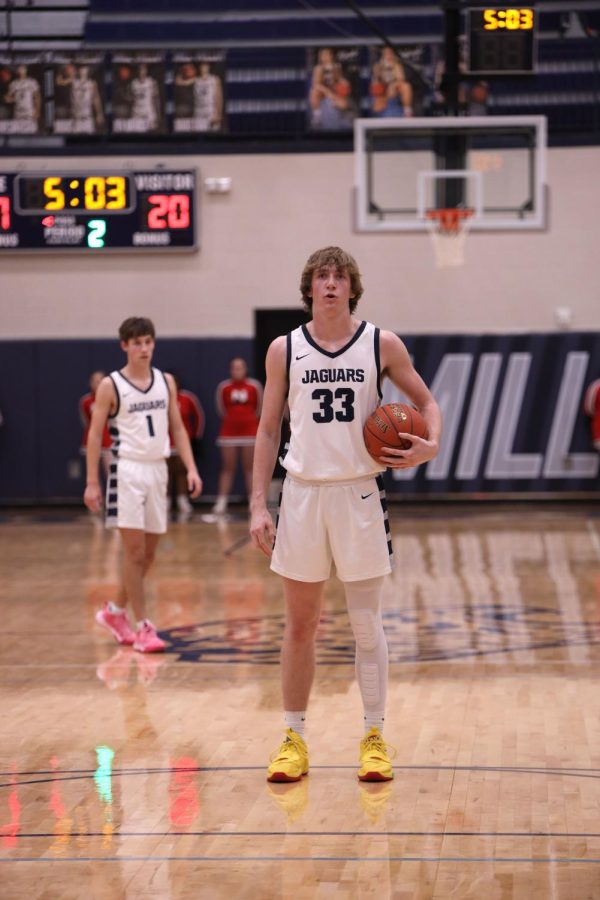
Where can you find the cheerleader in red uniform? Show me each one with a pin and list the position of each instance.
(591, 406)
(238, 402)
(192, 416)
(86, 404)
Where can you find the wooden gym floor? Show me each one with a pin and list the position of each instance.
(130, 776)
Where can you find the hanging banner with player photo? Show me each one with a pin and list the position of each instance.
(21, 94)
(199, 92)
(333, 88)
(79, 104)
(399, 81)
(138, 93)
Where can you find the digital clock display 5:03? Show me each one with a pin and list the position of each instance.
(84, 193)
(98, 211)
(501, 40)
(512, 18)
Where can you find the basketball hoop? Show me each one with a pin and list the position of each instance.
(448, 229)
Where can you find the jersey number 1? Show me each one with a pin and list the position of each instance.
(150, 426)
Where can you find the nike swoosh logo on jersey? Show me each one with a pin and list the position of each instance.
(302, 357)
(364, 496)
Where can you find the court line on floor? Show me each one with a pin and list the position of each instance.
(86, 774)
(547, 860)
(426, 834)
(266, 668)
(176, 657)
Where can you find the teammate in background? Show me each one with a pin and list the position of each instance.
(391, 93)
(24, 95)
(333, 505)
(239, 401)
(145, 98)
(330, 95)
(591, 407)
(207, 95)
(86, 405)
(141, 403)
(192, 416)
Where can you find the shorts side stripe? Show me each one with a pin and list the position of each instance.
(278, 511)
(386, 518)
(112, 494)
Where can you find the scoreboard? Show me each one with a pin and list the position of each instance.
(98, 211)
(501, 40)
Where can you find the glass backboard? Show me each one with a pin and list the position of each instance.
(495, 165)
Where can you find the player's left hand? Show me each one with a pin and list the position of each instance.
(421, 451)
(194, 483)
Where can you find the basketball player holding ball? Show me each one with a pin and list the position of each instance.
(332, 506)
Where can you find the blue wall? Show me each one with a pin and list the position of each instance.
(40, 386)
(533, 398)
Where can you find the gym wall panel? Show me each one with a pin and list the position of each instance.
(256, 239)
(20, 432)
(512, 405)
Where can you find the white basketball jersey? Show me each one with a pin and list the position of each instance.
(23, 91)
(140, 426)
(82, 93)
(331, 396)
(143, 94)
(205, 92)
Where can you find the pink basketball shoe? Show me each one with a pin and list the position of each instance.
(117, 624)
(147, 640)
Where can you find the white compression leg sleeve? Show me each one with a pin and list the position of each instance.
(364, 611)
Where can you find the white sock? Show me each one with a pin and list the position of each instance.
(114, 609)
(221, 505)
(374, 720)
(296, 721)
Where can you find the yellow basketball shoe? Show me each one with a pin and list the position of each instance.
(374, 760)
(290, 761)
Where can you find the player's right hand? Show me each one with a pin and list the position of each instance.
(93, 497)
(262, 531)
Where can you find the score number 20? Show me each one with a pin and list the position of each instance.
(168, 211)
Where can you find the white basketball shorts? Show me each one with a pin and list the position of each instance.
(323, 523)
(136, 495)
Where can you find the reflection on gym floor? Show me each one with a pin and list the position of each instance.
(130, 775)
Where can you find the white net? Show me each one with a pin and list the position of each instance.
(448, 229)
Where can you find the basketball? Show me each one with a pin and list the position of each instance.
(383, 426)
(377, 88)
(343, 88)
(479, 93)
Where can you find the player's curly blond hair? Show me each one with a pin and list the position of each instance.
(331, 256)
